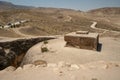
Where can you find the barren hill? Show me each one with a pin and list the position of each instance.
(52, 21)
(106, 11)
(8, 6)
(64, 62)
(108, 15)
(47, 21)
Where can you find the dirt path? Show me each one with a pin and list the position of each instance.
(93, 26)
(16, 30)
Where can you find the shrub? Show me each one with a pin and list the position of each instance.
(94, 79)
(44, 49)
(45, 42)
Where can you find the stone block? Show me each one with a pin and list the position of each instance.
(82, 32)
(83, 41)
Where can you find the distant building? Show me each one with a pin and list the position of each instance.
(15, 24)
(7, 26)
(1, 26)
(23, 21)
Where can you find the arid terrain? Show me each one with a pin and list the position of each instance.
(61, 62)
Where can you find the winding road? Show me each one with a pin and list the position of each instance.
(93, 26)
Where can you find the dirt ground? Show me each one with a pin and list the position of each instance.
(67, 63)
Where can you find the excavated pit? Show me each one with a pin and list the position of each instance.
(12, 52)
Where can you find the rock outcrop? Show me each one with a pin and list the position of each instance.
(12, 52)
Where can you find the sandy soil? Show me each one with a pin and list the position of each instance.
(67, 63)
(92, 71)
(58, 52)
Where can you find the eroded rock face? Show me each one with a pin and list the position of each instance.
(3, 62)
(2, 52)
(16, 50)
(7, 59)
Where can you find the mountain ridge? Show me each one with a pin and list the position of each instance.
(4, 5)
(106, 10)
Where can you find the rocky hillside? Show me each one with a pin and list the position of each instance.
(106, 11)
(45, 21)
(8, 6)
(48, 21)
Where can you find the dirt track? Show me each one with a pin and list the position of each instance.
(16, 30)
(93, 26)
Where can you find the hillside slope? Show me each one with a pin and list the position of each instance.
(55, 21)
(109, 15)
(43, 22)
(8, 6)
(106, 11)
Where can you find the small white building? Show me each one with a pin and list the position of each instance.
(23, 21)
(6, 26)
(1, 26)
(17, 23)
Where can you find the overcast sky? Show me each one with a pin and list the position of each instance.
(72, 4)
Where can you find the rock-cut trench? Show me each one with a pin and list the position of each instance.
(12, 52)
